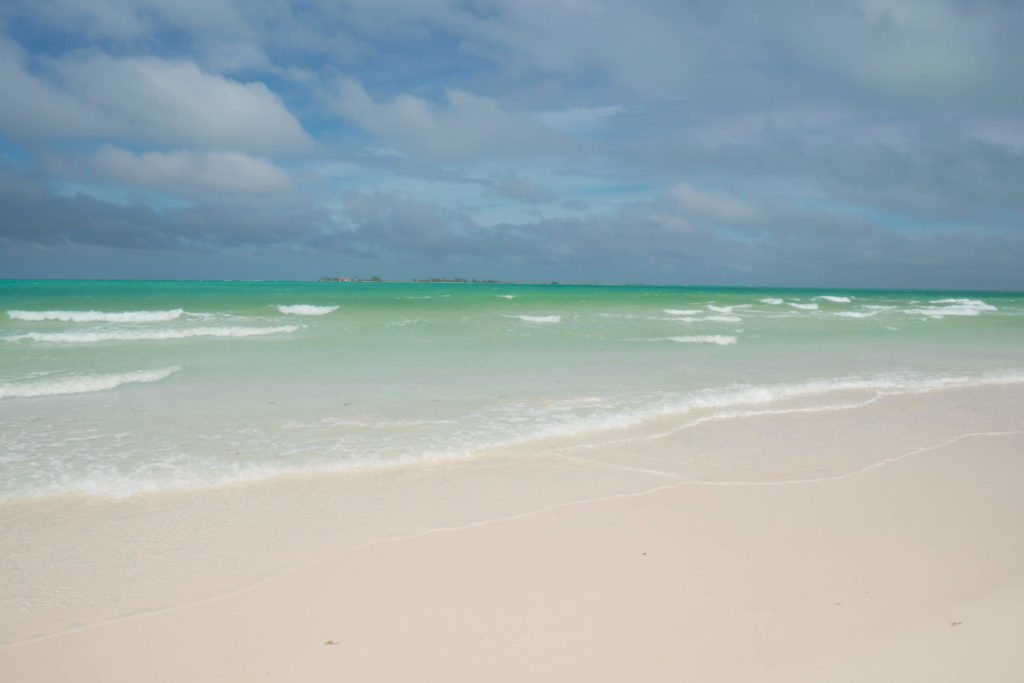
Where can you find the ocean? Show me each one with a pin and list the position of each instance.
(119, 388)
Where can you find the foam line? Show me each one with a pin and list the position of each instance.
(537, 318)
(82, 384)
(307, 309)
(147, 335)
(720, 339)
(97, 316)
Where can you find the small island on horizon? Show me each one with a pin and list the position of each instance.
(459, 280)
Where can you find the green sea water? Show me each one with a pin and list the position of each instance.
(115, 388)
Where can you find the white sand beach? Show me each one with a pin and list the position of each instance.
(564, 564)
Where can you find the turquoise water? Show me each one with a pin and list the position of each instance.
(115, 388)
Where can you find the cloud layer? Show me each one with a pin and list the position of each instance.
(854, 143)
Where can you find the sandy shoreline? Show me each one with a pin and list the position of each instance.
(900, 557)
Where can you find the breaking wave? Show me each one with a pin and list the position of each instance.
(98, 316)
(965, 307)
(720, 339)
(82, 384)
(146, 335)
(537, 318)
(307, 309)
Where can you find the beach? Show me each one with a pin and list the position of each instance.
(502, 483)
(554, 566)
(491, 341)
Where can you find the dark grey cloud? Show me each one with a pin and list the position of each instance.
(32, 214)
(921, 179)
(663, 240)
(398, 223)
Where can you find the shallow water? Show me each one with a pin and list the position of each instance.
(115, 388)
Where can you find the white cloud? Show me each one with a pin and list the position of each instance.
(469, 126)
(717, 207)
(904, 47)
(187, 170)
(150, 99)
(176, 102)
(32, 106)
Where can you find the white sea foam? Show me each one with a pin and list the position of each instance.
(961, 307)
(834, 299)
(521, 422)
(537, 318)
(720, 309)
(731, 397)
(81, 384)
(97, 316)
(771, 300)
(856, 314)
(965, 302)
(805, 307)
(720, 339)
(738, 395)
(146, 335)
(677, 311)
(307, 309)
(507, 296)
(704, 319)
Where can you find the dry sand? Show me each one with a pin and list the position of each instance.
(569, 564)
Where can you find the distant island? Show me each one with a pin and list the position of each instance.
(374, 278)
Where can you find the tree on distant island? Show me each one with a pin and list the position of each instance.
(334, 278)
(457, 280)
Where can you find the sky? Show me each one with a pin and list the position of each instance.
(817, 143)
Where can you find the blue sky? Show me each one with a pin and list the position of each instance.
(848, 143)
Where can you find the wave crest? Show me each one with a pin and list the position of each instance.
(147, 335)
(307, 309)
(538, 318)
(97, 316)
(962, 307)
(720, 339)
(82, 384)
